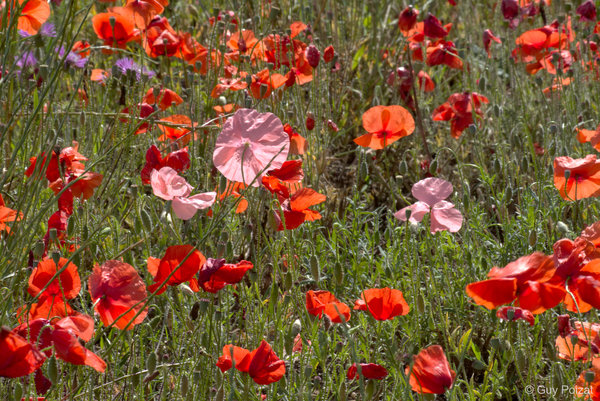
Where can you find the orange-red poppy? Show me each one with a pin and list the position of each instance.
(67, 284)
(285, 180)
(459, 110)
(262, 364)
(589, 135)
(233, 84)
(264, 82)
(160, 39)
(431, 372)
(142, 11)
(179, 134)
(124, 28)
(512, 313)
(525, 280)
(32, 16)
(242, 41)
(368, 371)
(181, 263)
(117, 289)
(383, 303)
(215, 274)
(298, 144)
(164, 99)
(7, 215)
(580, 344)
(296, 209)
(64, 341)
(385, 125)
(577, 178)
(19, 357)
(324, 302)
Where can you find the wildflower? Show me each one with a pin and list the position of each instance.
(577, 178)
(384, 126)
(512, 313)
(7, 215)
(117, 289)
(587, 11)
(126, 64)
(324, 302)
(249, 143)
(407, 19)
(19, 357)
(215, 274)
(184, 260)
(262, 364)
(431, 193)
(368, 371)
(459, 110)
(488, 36)
(431, 372)
(383, 303)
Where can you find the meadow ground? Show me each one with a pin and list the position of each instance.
(260, 201)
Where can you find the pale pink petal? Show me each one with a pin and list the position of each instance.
(418, 210)
(250, 143)
(445, 217)
(186, 208)
(166, 184)
(432, 190)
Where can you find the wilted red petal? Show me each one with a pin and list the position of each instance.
(431, 373)
(368, 371)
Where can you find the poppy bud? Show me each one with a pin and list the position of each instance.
(589, 376)
(296, 327)
(407, 19)
(313, 56)
(328, 54)
(18, 391)
(587, 11)
(310, 121)
(332, 126)
(510, 9)
(314, 267)
(432, 27)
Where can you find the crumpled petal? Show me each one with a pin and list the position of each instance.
(432, 190)
(418, 211)
(445, 217)
(186, 208)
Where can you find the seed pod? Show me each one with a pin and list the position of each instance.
(338, 273)
(195, 310)
(52, 369)
(314, 267)
(151, 363)
(185, 384)
(313, 56)
(55, 257)
(532, 238)
(18, 392)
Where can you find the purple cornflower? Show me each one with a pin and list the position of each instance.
(27, 59)
(73, 59)
(127, 64)
(47, 30)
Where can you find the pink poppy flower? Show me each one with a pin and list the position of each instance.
(250, 143)
(431, 193)
(168, 185)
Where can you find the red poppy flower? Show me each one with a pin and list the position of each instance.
(183, 267)
(583, 180)
(488, 36)
(324, 302)
(524, 280)
(425, 82)
(164, 99)
(298, 144)
(591, 136)
(385, 125)
(296, 209)
(383, 303)
(19, 357)
(262, 364)
(407, 19)
(178, 160)
(233, 84)
(516, 314)
(117, 289)
(431, 373)
(215, 274)
(160, 38)
(459, 110)
(264, 82)
(64, 341)
(7, 215)
(368, 371)
(66, 284)
(33, 14)
(180, 133)
(443, 52)
(285, 180)
(587, 11)
(328, 54)
(242, 41)
(46, 308)
(581, 344)
(123, 31)
(432, 27)
(143, 11)
(81, 48)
